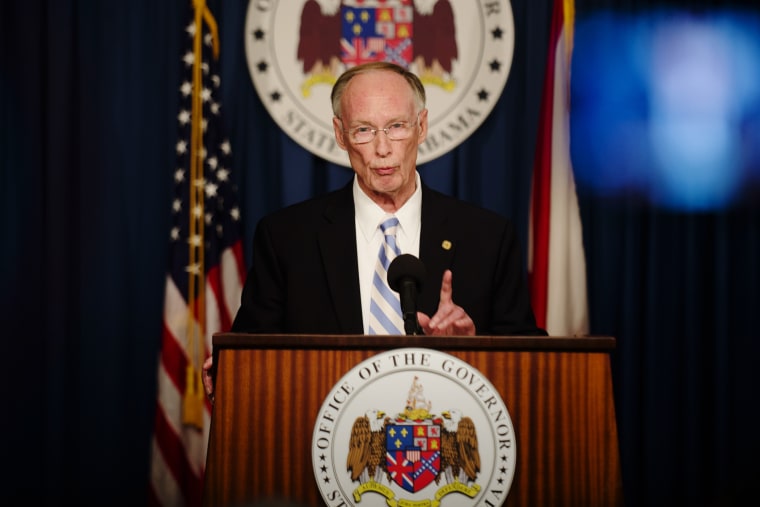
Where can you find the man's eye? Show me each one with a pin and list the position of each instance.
(362, 130)
(399, 125)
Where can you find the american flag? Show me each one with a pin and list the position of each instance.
(205, 273)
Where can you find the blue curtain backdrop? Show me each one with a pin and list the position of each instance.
(88, 104)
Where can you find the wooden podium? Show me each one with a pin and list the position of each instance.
(558, 392)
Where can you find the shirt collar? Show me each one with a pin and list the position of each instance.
(369, 215)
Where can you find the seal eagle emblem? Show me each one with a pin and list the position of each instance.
(414, 449)
(366, 447)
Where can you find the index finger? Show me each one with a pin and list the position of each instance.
(446, 288)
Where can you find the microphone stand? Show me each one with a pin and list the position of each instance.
(412, 325)
(405, 275)
(409, 308)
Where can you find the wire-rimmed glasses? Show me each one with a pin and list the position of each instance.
(396, 131)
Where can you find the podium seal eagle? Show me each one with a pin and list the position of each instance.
(413, 428)
(461, 50)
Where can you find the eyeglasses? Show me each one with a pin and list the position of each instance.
(397, 131)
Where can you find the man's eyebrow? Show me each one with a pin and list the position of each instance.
(398, 119)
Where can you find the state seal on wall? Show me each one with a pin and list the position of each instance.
(413, 427)
(461, 50)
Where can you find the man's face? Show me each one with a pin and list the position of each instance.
(385, 167)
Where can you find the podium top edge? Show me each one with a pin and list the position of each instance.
(385, 342)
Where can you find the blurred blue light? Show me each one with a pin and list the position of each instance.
(667, 106)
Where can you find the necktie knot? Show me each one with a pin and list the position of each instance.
(389, 226)
(390, 248)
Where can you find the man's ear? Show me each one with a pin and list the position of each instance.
(423, 127)
(340, 136)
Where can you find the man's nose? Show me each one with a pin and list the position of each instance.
(382, 142)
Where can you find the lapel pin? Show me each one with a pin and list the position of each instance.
(446, 244)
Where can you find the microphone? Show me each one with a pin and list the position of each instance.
(405, 275)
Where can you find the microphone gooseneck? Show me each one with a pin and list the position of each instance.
(405, 275)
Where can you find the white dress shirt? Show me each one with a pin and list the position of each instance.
(369, 237)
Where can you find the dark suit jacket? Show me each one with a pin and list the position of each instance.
(304, 276)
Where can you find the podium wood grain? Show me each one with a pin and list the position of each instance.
(270, 388)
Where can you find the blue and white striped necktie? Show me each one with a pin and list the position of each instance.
(385, 308)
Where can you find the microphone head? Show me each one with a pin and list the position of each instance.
(406, 266)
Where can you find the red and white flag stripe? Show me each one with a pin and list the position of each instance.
(178, 455)
(557, 262)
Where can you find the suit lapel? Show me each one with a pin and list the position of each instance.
(437, 247)
(337, 245)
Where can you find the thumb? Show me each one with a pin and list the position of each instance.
(424, 321)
